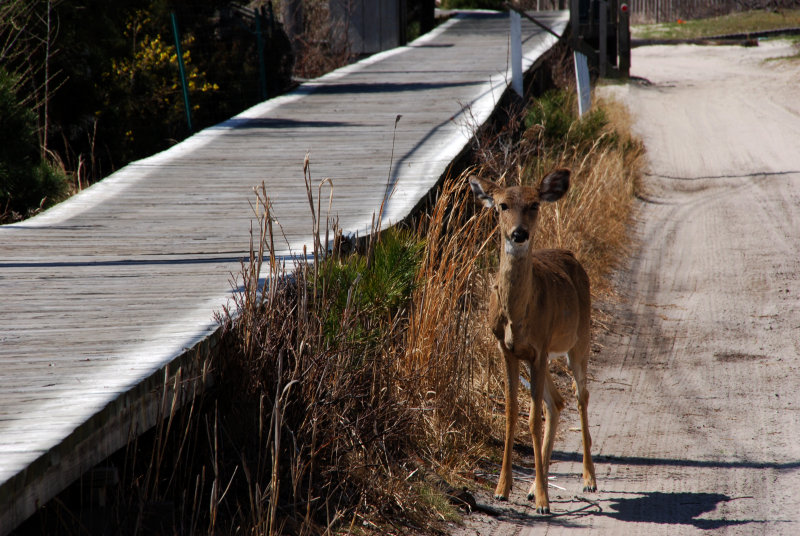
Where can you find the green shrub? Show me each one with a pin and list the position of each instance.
(366, 296)
(553, 114)
(26, 180)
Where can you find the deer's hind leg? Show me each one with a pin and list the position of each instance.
(578, 361)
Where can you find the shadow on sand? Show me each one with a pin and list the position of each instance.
(677, 508)
(665, 508)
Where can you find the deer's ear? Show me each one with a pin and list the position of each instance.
(554, 185)
(483, 190)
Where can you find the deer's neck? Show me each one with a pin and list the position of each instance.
(514, 285)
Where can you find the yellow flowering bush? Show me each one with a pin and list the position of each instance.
(144, 88)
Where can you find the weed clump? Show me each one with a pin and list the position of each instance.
(378, 288)
(314, 355)
(552, 118)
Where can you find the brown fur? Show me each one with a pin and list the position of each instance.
(540, 305)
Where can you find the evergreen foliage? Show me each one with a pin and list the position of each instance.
(27, 181)
(378, 290)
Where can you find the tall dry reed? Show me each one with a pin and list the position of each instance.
(447, 336)
(592, 220)
(445, 341)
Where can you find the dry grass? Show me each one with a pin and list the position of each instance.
(323, 45)
(382, 395)
(734, 23)
(347, 384)
(332, 416)
(592, 219)
(446, 341)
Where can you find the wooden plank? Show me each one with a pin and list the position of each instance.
(106, 295)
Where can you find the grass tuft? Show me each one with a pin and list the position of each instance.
(376, 290)
(735, 23)
(606, 161)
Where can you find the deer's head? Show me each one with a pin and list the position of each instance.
(518, 206)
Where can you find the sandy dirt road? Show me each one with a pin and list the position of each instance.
(695, 408)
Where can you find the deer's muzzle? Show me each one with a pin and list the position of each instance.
(520, 235)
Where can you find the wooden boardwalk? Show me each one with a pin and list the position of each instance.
(105, 296)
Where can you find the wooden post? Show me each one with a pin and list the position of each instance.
(427, 20)
(402, 23)
(603, 67)
(624, 44)
(575, 18)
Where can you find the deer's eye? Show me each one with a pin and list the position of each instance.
(533, 207)
(503, 206)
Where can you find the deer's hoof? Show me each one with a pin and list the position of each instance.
(590, 488)
(500, 497)
(543, 510)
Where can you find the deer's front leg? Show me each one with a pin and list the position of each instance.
(553, 404)
(539, 491)
(503, 489)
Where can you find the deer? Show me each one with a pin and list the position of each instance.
(539, 308)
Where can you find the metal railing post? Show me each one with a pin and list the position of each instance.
(182, 69)
(582, 82)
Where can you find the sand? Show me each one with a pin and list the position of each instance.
(695, 408)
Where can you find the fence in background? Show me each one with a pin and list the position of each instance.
(646, 11)
(671, 10)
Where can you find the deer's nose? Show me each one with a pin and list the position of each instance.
(519, 235)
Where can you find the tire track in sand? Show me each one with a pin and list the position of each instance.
(695, 409)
